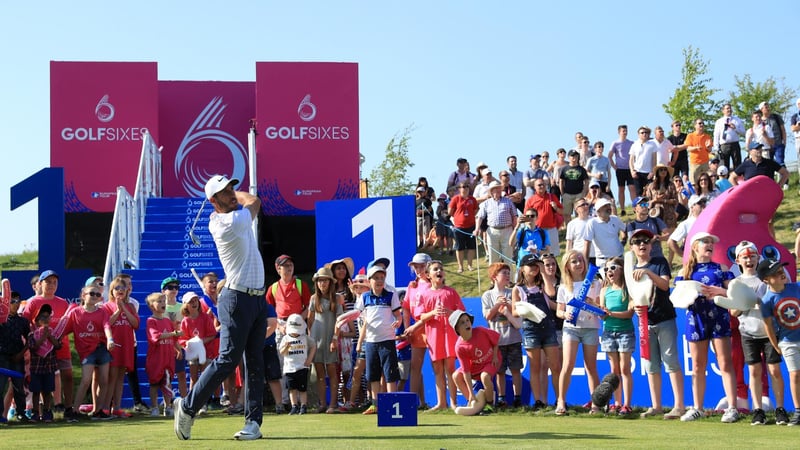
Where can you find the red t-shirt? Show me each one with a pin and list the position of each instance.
(475, 355)
(88, 328)
(60, 308)
(202, 326)
(541, 203)
(463, 210)
(287, 300)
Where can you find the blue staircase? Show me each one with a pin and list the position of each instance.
(167, 250)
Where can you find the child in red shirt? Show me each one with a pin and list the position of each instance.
(478, 354)
(162, 349)
(196, 324)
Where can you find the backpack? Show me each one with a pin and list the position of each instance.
(297, 283)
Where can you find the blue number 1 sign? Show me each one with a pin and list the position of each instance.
(366, 229)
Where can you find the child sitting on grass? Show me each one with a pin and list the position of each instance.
(478, 354)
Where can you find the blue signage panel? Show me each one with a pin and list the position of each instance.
(366, 229)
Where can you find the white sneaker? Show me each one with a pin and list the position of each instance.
(154, 412)
(203, 410)
(731, 415)
(691, 414)
(250, 432)
(168, 411)
(183, 421)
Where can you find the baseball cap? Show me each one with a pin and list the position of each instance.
(217, 183)
(44, 309)
(169, 280)
(529, 260)
(373, 270)
(187, 297)
(762, 104)
(715, 161)
(746, 246)
(722, 171)
(638, 200)
(600, 203)
(90, 281)
(47, 273)
(420, 258)
(535, 156)
(594, 182)
(703, 235)
(456, 315)
(755, 145)
(769, 267)
(642, 232)
(382, 260)
(573, 153)
(695, 199)
(283, 259)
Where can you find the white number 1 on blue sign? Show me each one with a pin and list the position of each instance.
(396, 414)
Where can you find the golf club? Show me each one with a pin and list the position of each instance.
(192, 236)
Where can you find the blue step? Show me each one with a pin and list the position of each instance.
(167, 251)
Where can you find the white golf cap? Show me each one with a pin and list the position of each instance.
(217, 183)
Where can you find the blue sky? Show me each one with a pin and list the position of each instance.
(478, 79)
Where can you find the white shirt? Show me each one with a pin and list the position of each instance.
(605, 236)
(576, 232)
(682, 230)
(585, 319)
(723, 134)
(643, 156)
(238, 251)
(756, 134)
(663, 151)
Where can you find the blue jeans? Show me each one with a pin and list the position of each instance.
(243, 320)
(778, 153)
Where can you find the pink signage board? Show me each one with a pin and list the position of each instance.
(203, 129)
(307, 144)
(98, 114)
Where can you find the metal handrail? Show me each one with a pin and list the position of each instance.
(127, 224)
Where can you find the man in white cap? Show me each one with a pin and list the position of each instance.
(241, 307)
(501, 215)
(605, 234)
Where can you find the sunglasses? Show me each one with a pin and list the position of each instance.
(547, 255)
(640, 241)
(94, 294)
(611, 268)
(172, 287)
(644, 205)
(530, 215)
(123, 288)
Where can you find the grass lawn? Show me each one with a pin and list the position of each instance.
(435, 431)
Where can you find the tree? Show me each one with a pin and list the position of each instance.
(748, 94)
(693, 97)
(390, 176)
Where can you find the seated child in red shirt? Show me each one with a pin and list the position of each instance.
(478, 355)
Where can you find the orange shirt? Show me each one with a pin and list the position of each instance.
(702, 155)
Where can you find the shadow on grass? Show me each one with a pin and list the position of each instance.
(442, 436)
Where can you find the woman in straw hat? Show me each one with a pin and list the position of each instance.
(663, 196)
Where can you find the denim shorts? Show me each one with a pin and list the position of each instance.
(98, 357)
(382, 360)
(663, 348)
(585, 336)
(539, 337)
(618, 341)
(791, 353)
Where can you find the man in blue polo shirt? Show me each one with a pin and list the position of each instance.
(755, 165)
